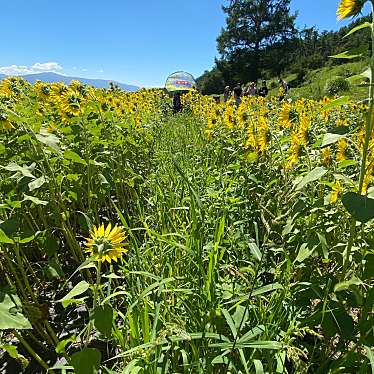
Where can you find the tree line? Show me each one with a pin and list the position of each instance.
(261, 40)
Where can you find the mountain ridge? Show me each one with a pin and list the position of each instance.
(50, 77)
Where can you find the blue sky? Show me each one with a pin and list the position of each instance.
(136, 42)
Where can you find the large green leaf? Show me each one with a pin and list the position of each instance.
(34, 199)
(37, 183)
(255, 251)
(370, 355)
(80, 288)
(360, 207)
(337, 102)
(353, 53)
(21, 170)
(103, 319)
(359, 27)
(312, 176)
(330, 138)
(48, 139)
(86, 361)
(70, 155)
(4, 238)
(369, 267)
(11, 316)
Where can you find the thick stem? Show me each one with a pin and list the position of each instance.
(95, 297)
(98, 280)
(370, 120)
(38, 359)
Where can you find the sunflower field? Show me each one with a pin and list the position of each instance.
(222, 239)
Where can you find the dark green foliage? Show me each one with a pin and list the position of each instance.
(211, 82)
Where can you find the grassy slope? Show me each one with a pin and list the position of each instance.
(315, 81)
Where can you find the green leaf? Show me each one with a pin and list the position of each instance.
(369, 267)
(366, 73)
(360, 207)
(103, 319)
(258, 366)
(268, 288)
(25, 240)
(337, 321)
(24, 170)
(60, 347)
(249, 335)
(86, 361)
(312, 176)
(10, 349)
(359, 27)
(10, 312)
(342, 286)
(353, 53)
(37, 183)
(80, 288)
(48, 139)
(70, 155)
(330, 138)
(304, 253)
(255, 251)
(370, 355)
(347, 163)
(259, 344)
(34, 199)
(337, 102)
(4, 238)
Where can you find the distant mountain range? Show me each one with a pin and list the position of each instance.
(53, 78)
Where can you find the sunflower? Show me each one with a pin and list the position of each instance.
(6, 87)
(349, 8)
(5, 124)
(106, 244)
(70, 102)
(336, 192)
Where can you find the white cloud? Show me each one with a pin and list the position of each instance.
(46, 66)
(100, 71)
(84, 69)
(38, 67)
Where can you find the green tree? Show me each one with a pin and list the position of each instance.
(252, 28)
(211, 82)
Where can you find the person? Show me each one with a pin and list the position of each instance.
(252, 89)
(263, 91)
(177, 102)
(237, 95)
(283, 89)
(226, 94)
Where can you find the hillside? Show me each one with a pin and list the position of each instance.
(313, 84)
(53, 77)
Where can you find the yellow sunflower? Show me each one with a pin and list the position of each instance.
(70, 102)
(336, 192)
(106, 244)
(5, 124)
(349, 8)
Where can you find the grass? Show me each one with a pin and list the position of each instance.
(314, 82)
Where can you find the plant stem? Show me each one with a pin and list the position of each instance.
(40, 361)
(98, 279)
(369, 123)
(95, 297)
